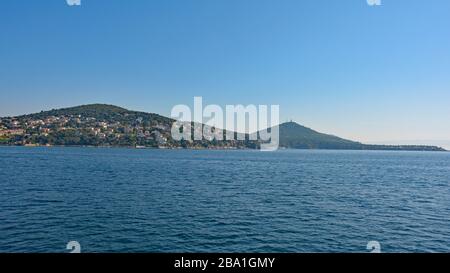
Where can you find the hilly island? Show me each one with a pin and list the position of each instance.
(104, 125)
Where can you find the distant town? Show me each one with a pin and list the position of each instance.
(98, 125)
(72, 128)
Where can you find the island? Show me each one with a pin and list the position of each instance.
(102, 125)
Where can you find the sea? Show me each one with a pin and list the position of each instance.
(230, 201)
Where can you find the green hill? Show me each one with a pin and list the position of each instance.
(101, 112)
(100, 125)
(296, 136)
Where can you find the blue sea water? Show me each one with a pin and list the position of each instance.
(127, 200)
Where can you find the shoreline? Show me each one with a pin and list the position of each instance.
(216, 149)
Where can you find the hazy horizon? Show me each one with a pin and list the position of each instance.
(374, 74)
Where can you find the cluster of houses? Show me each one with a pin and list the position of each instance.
(10, 127)
(123, 130)
(27, 127)
(12, 132)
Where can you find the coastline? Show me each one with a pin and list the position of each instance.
(219, 149)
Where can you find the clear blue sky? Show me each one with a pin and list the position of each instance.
(367, 73)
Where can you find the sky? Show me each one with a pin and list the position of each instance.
(376, 74)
